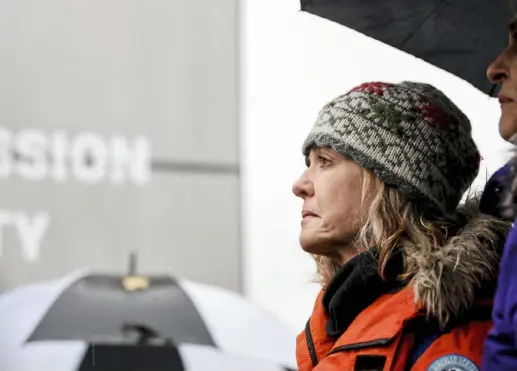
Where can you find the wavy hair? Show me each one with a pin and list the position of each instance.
(390, 222)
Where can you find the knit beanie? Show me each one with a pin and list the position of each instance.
(409, 134)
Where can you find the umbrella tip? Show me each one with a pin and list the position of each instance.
(133, 282)
(132, 263)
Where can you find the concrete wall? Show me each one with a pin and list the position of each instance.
(77, 75)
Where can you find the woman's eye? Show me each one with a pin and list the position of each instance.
(323, 161)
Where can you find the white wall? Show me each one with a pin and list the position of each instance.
(292, 64)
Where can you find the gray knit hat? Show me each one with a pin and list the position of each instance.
(409, 134)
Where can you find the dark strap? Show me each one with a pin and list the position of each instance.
(367, 362)
(422, 341)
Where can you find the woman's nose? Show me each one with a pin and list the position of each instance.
(498, 70)
(303, 187)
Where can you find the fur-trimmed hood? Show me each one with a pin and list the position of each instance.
(449, 279)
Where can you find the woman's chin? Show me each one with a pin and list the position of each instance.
(313, 244)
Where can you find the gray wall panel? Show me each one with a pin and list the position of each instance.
(179, 224)
(164, 70)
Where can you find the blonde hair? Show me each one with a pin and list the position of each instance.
(389, 223)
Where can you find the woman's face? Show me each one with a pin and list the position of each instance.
(503, 71)
(333, 203)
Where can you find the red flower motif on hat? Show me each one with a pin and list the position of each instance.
(377, 88)
(434, 113)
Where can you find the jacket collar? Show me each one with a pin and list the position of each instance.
(355, 287)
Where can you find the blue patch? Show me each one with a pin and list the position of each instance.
(453, 362)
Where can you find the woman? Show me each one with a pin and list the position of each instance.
(406, 273)
(501, 345)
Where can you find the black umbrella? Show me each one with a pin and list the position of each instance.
(183, 325)
(460, 36)
(127, 357)
(98, 306)
(101, 306)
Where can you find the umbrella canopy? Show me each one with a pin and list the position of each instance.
(98, 306)
(461, 37)
(76, 356)
(95, 308)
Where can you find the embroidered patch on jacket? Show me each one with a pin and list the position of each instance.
(453, 362)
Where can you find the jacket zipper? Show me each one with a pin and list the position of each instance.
(310, 344)
(366, 344)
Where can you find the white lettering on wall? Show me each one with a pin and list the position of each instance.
(30, 231)
(88, 157)
(58, 153)
(130, 161)
(5, 221)
(6, 159)
(31, 146)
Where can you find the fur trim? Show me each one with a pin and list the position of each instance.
(449, 277)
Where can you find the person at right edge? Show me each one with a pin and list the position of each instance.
(408, 273)
(500, 199)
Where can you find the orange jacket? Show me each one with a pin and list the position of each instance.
(382, 335)
(360, 322)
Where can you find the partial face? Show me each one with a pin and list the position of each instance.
(503, 71)
(334, 205)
